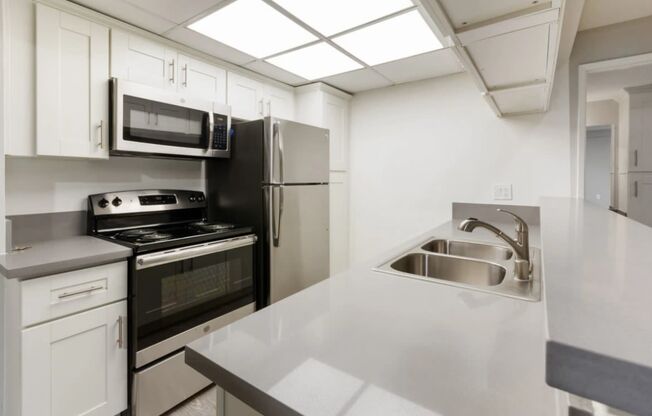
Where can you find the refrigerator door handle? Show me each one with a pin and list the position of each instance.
(278, 144)
(276, 223)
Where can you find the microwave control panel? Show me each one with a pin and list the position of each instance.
(220, 133)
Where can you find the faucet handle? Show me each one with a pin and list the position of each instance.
(521, 225)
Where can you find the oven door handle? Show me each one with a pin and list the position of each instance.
(170, 256)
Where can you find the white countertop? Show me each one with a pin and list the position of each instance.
(368, 343)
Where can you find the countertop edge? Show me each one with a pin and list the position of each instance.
(612, 381)
(253, 397)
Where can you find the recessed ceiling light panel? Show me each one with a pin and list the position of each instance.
(315, 61)
(333, 16)
(253, 27)
(399, 37)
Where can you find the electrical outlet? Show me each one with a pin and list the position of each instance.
(503, 192)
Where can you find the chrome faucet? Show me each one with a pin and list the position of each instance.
(521, 245)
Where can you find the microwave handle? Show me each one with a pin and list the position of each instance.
(211, 129)
(171, 256)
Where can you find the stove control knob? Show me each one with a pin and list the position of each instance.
(191, 199)
(103, 203)
(116, 202)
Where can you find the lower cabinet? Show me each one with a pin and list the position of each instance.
(76, 365)
(640, 197)
(229, 405)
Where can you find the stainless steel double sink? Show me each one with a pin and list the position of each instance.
(474, 265)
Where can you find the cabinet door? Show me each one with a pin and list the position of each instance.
(76, 365)
(336, 119)
(279, 102)
(140, 60)
(640, 132)
(639, 206)
(339, 221)
(72, 90)
(202, 80)
(245, 96)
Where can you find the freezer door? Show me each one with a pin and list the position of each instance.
(299, 238)
(296, 153)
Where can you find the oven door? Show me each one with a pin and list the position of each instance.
(149, 120)
(176, 291)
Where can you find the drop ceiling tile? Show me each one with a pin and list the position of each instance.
(521, 100)
(472, 12)
(129, 13)
(513, 58)
(174, 10)
(356, 81)
(276, 73)
(427, 65)
(212, 47)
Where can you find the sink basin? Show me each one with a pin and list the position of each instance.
(467, 249)
(465, 271)
(473, 265)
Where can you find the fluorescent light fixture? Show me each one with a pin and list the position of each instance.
(253, 27)
(399, 37)
(333, 16)
(315, 61)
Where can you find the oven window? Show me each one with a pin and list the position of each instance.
(149, 121)
(174, 297)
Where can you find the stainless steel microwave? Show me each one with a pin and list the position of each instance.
(148, 120)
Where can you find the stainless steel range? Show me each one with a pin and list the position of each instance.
(187, 277)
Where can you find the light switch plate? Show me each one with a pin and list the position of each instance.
(503, 192)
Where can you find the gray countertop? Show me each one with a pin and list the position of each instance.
(365, 342)
(598, 292)
(57, 256)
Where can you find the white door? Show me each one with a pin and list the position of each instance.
(140, 60)
(639, 206)
(72, 89)
(202, 80)
(245, 96)
(76, 365)
(279, 102)
(336, 119)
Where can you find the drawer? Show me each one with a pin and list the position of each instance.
(63, 294)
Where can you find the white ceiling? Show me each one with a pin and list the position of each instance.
(607, 85)
(598, 13)
(169, 18)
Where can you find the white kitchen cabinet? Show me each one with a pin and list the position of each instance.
(323, 106)
(640, 129)
(76, 365)
(202, 80)
(339, 222)
(141, 60)
(245, 96)
(639, 204)
(279, 102)
(72, 70)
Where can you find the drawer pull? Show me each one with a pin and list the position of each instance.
(80, 292)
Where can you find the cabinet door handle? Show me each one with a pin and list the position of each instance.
(80, 292)
(172, 77)
(636, 157)
(185, 75)
(100, 139)
(260, 107)
(269, 108)
(122, 324)
(635, 189)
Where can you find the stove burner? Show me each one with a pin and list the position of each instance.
(139, 232)
(212, 227)
(154, 236)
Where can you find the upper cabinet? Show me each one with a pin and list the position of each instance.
(141, 60)
(324, 106)
(72, 97)
(251, 99)
(509, 48)
(640, 128)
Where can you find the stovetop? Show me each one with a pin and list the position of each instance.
(167, 236)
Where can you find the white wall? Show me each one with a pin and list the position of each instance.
(418, 147)
(38, 185)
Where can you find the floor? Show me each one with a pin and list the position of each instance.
(203, 404)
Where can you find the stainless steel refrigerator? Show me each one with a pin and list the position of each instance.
(277, 181)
